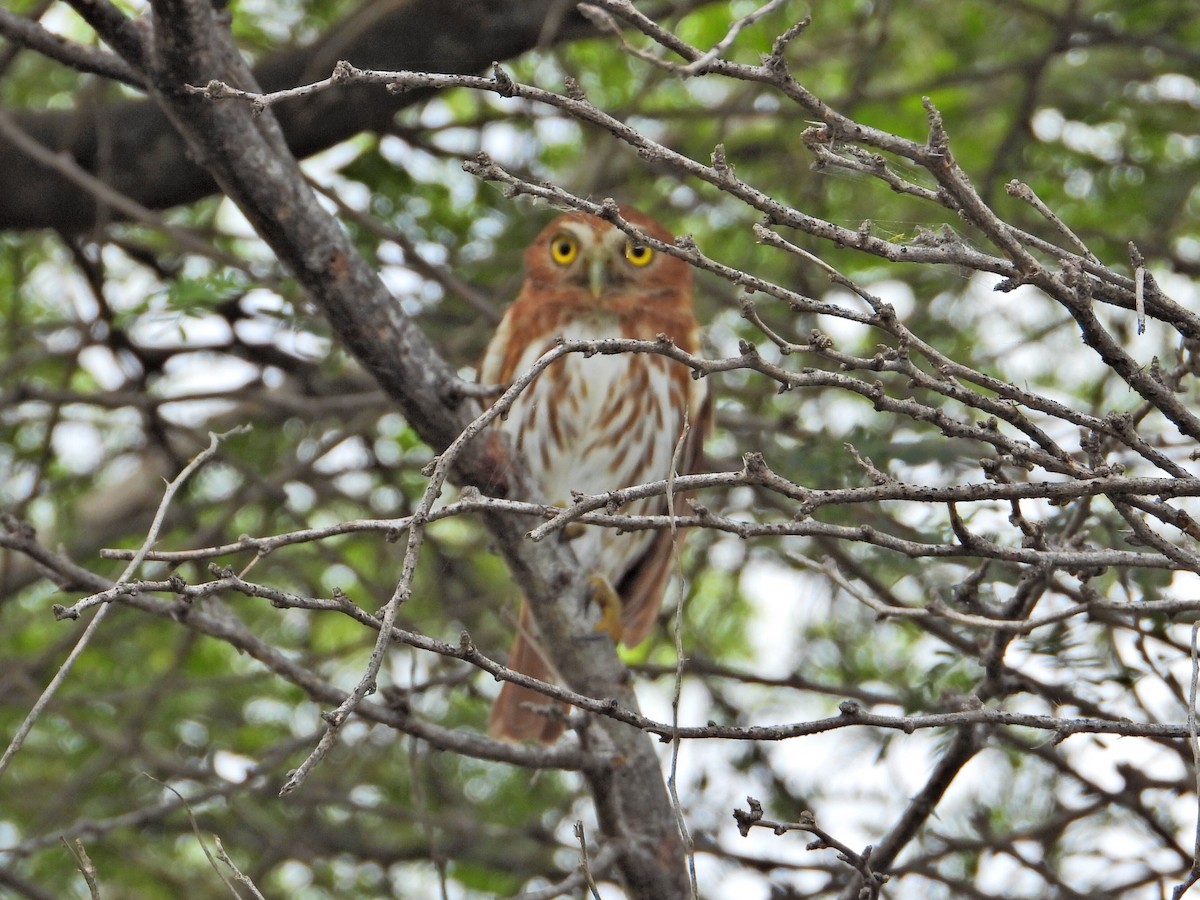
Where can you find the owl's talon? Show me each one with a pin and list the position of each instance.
(610, 607)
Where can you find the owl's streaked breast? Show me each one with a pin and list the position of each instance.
(595, 424)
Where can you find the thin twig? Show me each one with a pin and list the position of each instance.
(238, 874)
(1024, 192)
(1193, 874)
(585, 865)
(689, 844)
(84, 864)
(861, 862)
(701, 65)
(93, 626)
(438, 471)
(187, 807)
(570, 886)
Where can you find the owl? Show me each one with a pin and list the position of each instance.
(591, 424)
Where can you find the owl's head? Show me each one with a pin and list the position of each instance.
(587, 254)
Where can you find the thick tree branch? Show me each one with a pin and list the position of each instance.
(153, 166)
(249, 158)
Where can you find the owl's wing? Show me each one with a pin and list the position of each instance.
(641, 589)
(492, 368)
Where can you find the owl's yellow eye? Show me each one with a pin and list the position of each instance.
(638, 254)
(564, 249)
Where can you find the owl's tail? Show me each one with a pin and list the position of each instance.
(520, 714)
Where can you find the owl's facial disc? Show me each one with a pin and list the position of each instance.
(598, 260)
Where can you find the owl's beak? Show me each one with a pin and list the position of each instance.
(597, 271)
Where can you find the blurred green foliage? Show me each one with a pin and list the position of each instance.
(1086, 101)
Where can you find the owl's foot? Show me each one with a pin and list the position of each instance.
(610, 607)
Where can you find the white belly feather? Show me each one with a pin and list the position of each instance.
(589, 429)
